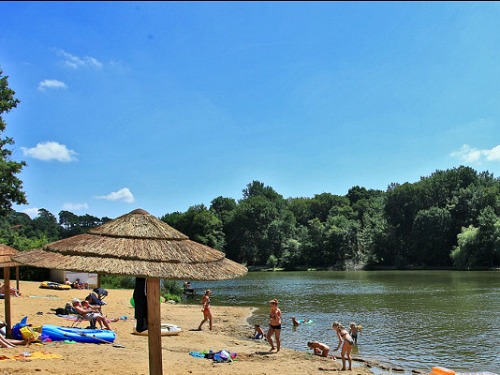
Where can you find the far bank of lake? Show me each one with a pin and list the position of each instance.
(411, 319)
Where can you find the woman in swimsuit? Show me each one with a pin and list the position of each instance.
(346, 338)
(207, 314)
(274, 325)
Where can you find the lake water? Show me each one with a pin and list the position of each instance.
(411, 319)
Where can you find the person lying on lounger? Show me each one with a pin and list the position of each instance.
(89, 314)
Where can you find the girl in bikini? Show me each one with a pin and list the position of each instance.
(207, 314)
(346, 339)
(274, 325)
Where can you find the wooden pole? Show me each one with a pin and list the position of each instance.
(6, 288)
(17, 280)
(154, 326)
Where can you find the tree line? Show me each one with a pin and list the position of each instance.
(450, 219)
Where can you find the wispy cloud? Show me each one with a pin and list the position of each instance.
(75, 206)
(49, 151)
(31, 212)
(76, 62)
(474, 155)
(122, 195)
(52, 84)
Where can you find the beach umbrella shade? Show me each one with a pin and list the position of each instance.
(6, 261)
(137, 244)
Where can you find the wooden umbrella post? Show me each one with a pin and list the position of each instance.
(154, 326)
(6, 288)
(17, 280)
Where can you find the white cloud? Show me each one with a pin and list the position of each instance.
(31, 212)
(493, 154)
(76, 62)
(52, 84)
(48, 151)
(75, 206)
(474, 155)
(122, 195)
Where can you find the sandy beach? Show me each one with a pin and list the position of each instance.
(231, 332)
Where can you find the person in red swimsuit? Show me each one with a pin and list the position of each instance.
(207, 314)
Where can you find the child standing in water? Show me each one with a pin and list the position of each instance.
(354, 329)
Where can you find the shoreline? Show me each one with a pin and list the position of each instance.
(231, 332)
(375, 366)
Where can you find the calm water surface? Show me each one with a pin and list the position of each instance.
(411, 319)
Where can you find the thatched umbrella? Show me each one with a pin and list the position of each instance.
(6, 254)
(138, 244)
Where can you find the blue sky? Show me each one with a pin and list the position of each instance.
(165, 105)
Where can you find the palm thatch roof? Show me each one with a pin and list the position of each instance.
(135, 244)
(6, 254)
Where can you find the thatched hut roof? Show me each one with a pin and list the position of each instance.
(6, 254)
(135, 244)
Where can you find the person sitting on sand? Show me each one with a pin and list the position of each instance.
(76, 284)
(319, 348)
(10, 343)
(13, 291)
(258, 333)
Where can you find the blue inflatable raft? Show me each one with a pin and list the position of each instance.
(57, 333)
(97, 336)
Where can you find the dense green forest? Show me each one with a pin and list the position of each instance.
(447, 220)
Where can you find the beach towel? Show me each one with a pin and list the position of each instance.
(197, 354)
(221, 356)
(27, 356)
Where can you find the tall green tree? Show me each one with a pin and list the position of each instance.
(10, 185)
(199, 224)
(433, 239)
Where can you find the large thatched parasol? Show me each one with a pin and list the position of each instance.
(138, 244)
(6, 254)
